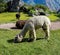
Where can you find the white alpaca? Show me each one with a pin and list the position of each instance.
(32, 25)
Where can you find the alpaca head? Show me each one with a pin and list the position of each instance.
(18, 38)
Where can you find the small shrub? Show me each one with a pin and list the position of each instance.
(2, 7)
(58, 15)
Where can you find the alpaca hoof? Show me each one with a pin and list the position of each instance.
(30, 40)
(47, 38)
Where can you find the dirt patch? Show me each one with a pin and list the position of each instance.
(54, 25)
(7, 26)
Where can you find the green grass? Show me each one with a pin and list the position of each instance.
(53, 17)
(7, 17)
(10, 17)
(39, 47)
(24, 16)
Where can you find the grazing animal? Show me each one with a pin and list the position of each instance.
(32, 25)
(17, 16)
(20, 24)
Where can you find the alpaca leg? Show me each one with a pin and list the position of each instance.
(47, 32)
(34, 34)
(32, 28)
(30, 36)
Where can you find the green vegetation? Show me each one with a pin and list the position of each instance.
(39, 47)
(3, 6)
(10, 17)
(42, 7)
(24, 16)
(7, 17)
(53, 17)
(58, 15)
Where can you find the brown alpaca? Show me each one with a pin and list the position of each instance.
(20, 24)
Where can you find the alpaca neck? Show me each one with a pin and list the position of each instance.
(24, 31)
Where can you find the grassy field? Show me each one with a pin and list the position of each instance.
(10, 17)
(53, 17)
(39, 47)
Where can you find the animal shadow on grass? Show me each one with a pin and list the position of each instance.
(24, 40)
(13, 28)
(16, 28)
(12, 40)
(40, 38)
